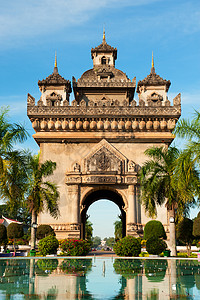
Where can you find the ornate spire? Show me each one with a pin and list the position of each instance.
(104, 35)
(55, 65)
(152, 65)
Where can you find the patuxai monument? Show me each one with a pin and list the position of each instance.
(98, 140)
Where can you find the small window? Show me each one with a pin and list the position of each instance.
(103, 60)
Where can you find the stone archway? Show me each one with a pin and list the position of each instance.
(96, 195)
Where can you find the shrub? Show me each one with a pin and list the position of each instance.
(155, 245)
(43, 231)
(75, 247)
(15, 231)
(154, 228)
(3, 235)
(128, 246)
(184, 233)
(196, 227)
(48, 245)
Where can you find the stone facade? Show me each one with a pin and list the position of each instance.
(98, 141)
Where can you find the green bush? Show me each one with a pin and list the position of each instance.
(196, 227)
(43, 231)
(75, 247)
(154, 228)
(3, 235)
(155, 245)
(48, 245)
(15, 231)
(128, 246)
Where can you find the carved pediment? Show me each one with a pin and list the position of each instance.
(105, 159)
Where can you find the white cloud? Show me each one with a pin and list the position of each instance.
(30, 19)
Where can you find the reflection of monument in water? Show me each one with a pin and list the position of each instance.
(139, 279)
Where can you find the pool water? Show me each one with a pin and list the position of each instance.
(99, 278)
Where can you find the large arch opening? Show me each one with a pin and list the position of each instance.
(101, 194)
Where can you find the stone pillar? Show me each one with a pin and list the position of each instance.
(74, 196)
(131, 211)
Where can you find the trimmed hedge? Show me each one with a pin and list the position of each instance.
(48, 245)
(155, 246)
(43, 231)
(15, 231)
(128, 246)
(75, 247)
(3, 235)
(154, 228)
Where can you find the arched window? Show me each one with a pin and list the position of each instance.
(103, 60)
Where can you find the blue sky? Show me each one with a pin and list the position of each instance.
(31, 32)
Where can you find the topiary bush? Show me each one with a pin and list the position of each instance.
(15, 231)
(48, 245)
(75, 247)
(128, 246)
(43, 231)
(154, 228)
(196, 227)
(155, 246)
(3, 235)
(184, 233)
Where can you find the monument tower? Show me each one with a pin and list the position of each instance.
(98, 140)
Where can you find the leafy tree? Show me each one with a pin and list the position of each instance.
(13, 181)
(118, 228)
(43, 231)
(3, 235)
(48, 245)
(42, 194)
(154, 228)
(169, 176)
(96, 241)
(196, 226)
(15, 231)
(110, 241)
(88, 230)
(184, 233)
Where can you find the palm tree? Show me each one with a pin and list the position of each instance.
(12, 176)
(191, 131)
(118, 228)
(169, 177)
(42, 194)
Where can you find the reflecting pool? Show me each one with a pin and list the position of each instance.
(99, 278)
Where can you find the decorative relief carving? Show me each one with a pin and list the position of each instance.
(134, 227)
(131, 166)
(100, 179)
(66, 227)
(77, 167)
(136, 111)
(30, 100)
(73, 179)
(177, 100)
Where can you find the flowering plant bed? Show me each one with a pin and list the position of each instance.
(75, 247)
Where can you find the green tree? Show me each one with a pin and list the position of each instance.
(88, 230)
(42, 194)
(15, 231)
(118, 229)
(184, 233)
(3, 235)
(170, 177)
(13, 181)
(96, 241)
(110, 241)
